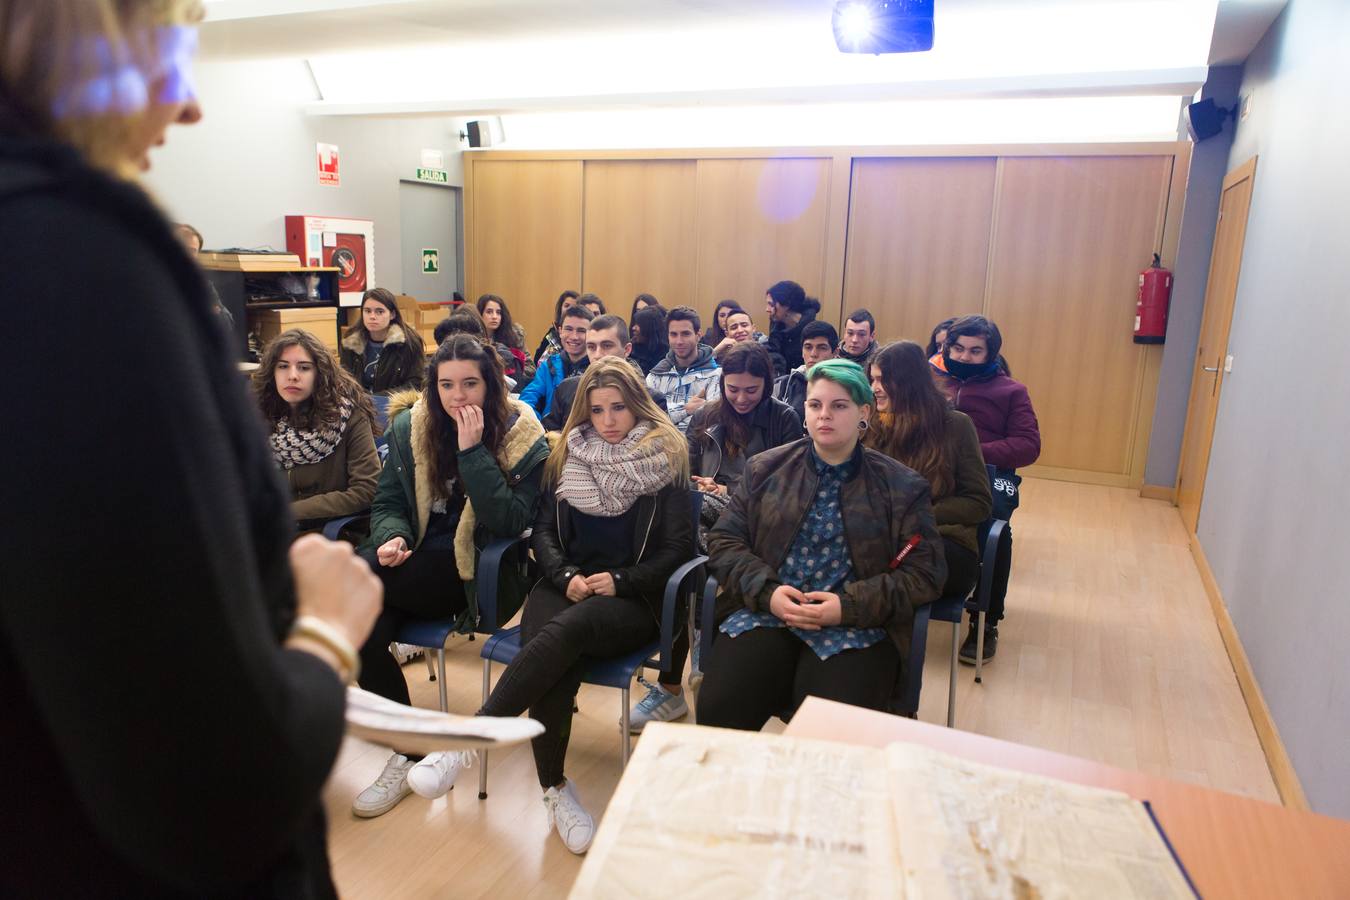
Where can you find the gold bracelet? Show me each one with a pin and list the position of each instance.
(321, 632)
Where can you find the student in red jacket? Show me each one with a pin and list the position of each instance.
(969, 371)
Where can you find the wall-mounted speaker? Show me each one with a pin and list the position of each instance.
(1204, 119)
(483, 132)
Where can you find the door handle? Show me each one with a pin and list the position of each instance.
(1209, 369)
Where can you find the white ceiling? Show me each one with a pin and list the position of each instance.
(486, 56)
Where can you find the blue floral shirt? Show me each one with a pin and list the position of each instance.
(817, 561)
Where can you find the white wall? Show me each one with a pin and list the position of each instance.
(1274, 517)
(251, 161)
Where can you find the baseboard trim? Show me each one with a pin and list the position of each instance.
(1158, 492)
(1277, 758)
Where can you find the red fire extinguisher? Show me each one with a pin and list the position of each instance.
(1150, 312)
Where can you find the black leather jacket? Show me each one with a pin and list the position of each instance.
(772, 424)
(663, 539)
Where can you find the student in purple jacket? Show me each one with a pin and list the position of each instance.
(968, 370)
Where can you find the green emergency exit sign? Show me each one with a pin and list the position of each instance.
(435, 176)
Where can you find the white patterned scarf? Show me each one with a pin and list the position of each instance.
(293, 446)
(604, 479)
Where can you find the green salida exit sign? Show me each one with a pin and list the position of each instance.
(435, 176)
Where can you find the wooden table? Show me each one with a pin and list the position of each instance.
(1232, 846)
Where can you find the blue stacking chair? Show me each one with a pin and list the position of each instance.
(616, 672)
(976, 602)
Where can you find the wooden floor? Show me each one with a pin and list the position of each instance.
(1109, 652)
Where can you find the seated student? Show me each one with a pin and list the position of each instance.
(717, 329)
(810, 603)
(552, 342)
(684, 375)
(606, 336)
(859, 342)
(466, 320)
(464, 469)
(506, 334)
(740, 329)
(819, 340)
(938, 339)
(648, 331)
(321, 433)
(641, 302)
(569, 361)
(971, 373)
(192, 240)
(379, 351)
(915, 426)
(614, 524)
(790, 310)
(593, 303)
(723, 437)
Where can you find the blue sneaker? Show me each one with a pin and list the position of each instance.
(660, 705)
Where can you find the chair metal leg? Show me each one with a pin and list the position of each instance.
(440, 672)
(951, 682)
(483, 754)
(623, 729)
(431, 667)
(979, 652)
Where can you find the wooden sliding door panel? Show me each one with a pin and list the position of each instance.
(526, 236)
(918, 241)
(1070, 238)
(639, 234)
(759, 221)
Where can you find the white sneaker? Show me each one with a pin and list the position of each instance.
(660, 705)
(405, 652)
(387, 791)
(435, 774)
(566, 814)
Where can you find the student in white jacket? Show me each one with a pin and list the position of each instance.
(688, 371)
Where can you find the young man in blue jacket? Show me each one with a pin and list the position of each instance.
(572, 360)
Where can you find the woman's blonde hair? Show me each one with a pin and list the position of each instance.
(617, 372)
(49, 49)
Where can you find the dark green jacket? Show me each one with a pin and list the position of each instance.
(884, 504)
(503, 497)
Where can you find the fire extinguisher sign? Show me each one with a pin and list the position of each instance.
(328, 165)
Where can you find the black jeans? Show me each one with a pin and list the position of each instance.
(767, 671)
(558, 637)
(427, 586)
(998, 589)
(963, 567)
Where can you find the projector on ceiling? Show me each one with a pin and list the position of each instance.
(883, 26)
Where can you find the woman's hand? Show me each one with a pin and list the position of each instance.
(828, 607)
(601, 583)
(469, 426)
(334, 584)
(578, 589)
(785, 603)
(393, 553)
(707, 485)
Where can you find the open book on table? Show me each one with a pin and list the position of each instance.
(759, 815)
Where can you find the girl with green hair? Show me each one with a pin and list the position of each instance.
(813, 599)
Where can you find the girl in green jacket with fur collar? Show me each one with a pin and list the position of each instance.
(464, 467)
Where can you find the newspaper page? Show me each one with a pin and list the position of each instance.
(705, 812)
(410, 729)
(972, 830)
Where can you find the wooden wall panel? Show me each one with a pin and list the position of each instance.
(1070, 238)
(526, 236)
(918, 241)
(639, 234)
(759, 221)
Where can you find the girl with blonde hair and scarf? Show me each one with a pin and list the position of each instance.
(613, 524)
